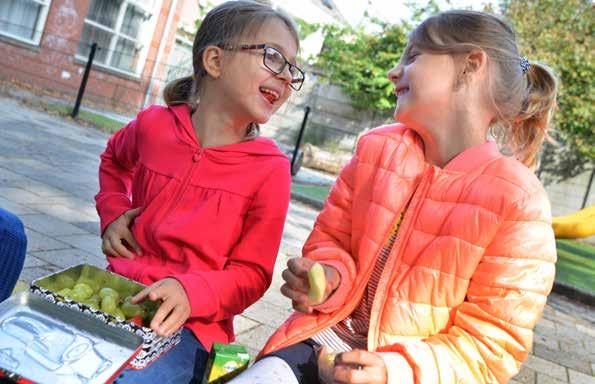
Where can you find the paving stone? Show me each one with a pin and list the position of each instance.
(16, 208)
(548, 340)
(36, 187)
(50, 226)
(30, 274)
(567, 359)
(540, 365)
(586, 329)
(573, 346)
(255, 339)
(526, 375)
(20, 196)
(580, 378)
(88, 243)
(65, 258)
(242, 324)
(39, 242)
(32, 261)
(545, 327)
(543, 378)
(268, 314)
(65, 213)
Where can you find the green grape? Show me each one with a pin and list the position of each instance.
(104, 292)
(92, 302)
(65, 292)
(91, 283)
(131, 310)
(82, 290)
(118, 313)
(65, 281)
(109, 304)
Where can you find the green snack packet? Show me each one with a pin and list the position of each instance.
(225, 362)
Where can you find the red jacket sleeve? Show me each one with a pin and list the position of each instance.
(115, 174)
(217, 295)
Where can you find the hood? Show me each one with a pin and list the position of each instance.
(257, 146)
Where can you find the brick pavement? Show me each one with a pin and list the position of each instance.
(48, 176)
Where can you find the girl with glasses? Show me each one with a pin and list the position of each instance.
(437, 248)
(192, 200)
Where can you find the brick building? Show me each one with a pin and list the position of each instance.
(46, 44)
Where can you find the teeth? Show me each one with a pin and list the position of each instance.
(270, 92)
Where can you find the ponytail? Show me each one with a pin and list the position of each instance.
(180, 91)
(530, 127)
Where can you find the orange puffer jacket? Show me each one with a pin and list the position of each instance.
(468, 276)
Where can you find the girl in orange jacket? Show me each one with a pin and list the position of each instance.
(437, 248)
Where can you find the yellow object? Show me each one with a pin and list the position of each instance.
(225, 362)
(317, 282)
(575, 225)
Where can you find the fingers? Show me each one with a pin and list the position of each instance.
(299, 266)
(120, 249)
(142, 295)
(359, 357)
(359, 366)
(294, 295)
(131, 214)
(164, 310)
(173, 321)
(132, 241)
(295, 282)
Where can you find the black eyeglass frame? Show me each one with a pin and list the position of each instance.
(264, 47)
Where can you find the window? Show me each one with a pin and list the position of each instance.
(23, 20)
(121, 30)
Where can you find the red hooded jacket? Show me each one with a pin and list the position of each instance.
(211, 217)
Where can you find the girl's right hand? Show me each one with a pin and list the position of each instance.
(118, 233)
(296, 283)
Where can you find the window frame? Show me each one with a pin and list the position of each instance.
(39, 25)
(116, 33)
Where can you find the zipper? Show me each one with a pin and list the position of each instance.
(196, 156)
(395, 258)
(352, 304)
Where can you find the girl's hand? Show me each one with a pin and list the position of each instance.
(118, 233)
(296, 282)
(359, 366)
(173, 311)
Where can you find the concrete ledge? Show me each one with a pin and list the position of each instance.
(316, 204)
(574, 293)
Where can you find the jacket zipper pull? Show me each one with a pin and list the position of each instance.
(197, 155)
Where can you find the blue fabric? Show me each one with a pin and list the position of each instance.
(13, 247)
(185, 363)
(302, 359)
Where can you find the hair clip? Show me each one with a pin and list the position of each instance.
(525, 65)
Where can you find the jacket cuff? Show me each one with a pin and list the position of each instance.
(398, 370)
(198, 292)
(337, 298)
(112, 208)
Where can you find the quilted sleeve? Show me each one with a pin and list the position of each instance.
(330, 240)
(492, 331)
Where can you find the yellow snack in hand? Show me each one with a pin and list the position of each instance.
(317, 282)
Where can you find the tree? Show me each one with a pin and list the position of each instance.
(560, 33)
(359, 61)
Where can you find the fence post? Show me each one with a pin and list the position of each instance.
(588, 189)
(299, 142)
(79, 97)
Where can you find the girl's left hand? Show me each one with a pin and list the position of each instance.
(173, 311)
(359, 366)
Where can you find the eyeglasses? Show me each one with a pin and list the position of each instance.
(275, 62)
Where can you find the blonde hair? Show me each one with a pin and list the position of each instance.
(525, 98)
(225, 24)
